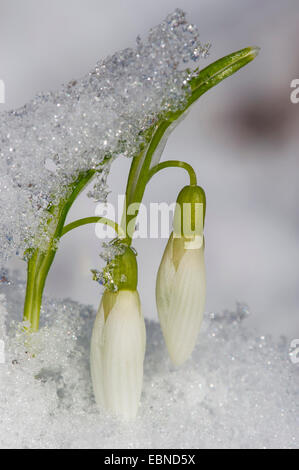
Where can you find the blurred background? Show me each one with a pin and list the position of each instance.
(241, 137)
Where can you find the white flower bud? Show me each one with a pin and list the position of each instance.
(117, 353)
(180, 295)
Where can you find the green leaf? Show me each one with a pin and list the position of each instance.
(214, 73)
(201, 82)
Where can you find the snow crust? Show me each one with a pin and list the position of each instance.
(86, 124)
(237, 391)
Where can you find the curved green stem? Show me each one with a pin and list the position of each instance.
(138, 176)
(140, 173)
(92, 220)
(202, 81)
(41, 259)
(174, 164)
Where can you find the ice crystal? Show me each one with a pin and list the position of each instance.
(85, 125)
(238, 390)
(109, 253)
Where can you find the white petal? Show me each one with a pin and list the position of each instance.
(181, 310)
(165, 276)
(121, 357)
(186, 306)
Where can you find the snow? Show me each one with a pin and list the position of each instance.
(238, 389)
(86, 124)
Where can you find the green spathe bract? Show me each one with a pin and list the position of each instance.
(123, 270)
(190, 212)
(140, 173)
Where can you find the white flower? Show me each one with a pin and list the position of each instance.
(180, 295)
(117, 353)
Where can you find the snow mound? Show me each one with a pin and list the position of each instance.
(237, 390)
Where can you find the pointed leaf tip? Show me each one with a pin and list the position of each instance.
(255, 50)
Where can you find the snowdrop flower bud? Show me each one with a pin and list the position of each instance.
(181, 280)
(118, 344)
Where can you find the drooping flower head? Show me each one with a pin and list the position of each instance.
(181, 279)
(118, 341)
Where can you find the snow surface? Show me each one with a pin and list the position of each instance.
(237, 390)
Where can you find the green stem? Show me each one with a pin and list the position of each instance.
(140, 172)
(41, 259)
(138, 176)
(92, 220)
(205, 79)
(174, 164)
